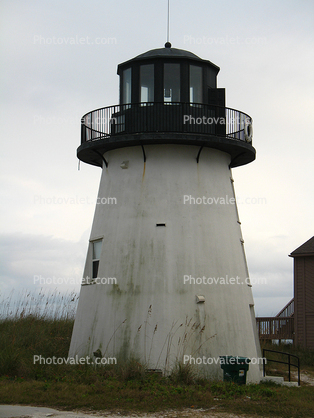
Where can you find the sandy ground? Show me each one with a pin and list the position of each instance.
(12, 411)
(9, 411)
(305, 377)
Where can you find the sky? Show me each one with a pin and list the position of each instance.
(59, 61)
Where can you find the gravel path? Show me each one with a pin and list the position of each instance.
(10, 411)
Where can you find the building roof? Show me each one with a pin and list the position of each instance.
(169, 52)
(306, 249)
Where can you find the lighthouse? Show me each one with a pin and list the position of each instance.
(166, 279)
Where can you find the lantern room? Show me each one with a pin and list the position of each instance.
(169, 75)
(167, 96)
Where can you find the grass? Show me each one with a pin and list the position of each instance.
(34, 329)
(31, 325)
(150, 395)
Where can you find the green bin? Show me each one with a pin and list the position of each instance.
(235, 368)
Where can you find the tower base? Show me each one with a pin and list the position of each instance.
(181, 291)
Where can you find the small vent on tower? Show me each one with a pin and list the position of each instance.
(160, 224)
(200, 299)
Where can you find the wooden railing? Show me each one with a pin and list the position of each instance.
(287, 310)
(275, 328)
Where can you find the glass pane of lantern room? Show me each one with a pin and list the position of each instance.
(126, 89)
(147, 83)
(171, 83)
(195, 84)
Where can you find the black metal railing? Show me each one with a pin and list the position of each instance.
(177, 117)
(282, 362)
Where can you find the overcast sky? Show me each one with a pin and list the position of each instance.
(59, 61)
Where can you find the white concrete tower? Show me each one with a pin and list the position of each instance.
(166, 277)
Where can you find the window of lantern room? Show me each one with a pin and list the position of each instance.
(196, 84)
(126, 88)
(146, 84)
(171, 83)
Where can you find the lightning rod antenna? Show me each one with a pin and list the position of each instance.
(168, 21)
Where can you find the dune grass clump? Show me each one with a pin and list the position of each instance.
(34, 324)
(42, 325)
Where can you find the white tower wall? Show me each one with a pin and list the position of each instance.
(140, 315)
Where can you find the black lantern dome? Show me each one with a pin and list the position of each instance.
(167, 96)
(167, 51)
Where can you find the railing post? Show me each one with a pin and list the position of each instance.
(112, 121)
(289, 366)
(264, 358)
(83, 132)
(91, 125)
